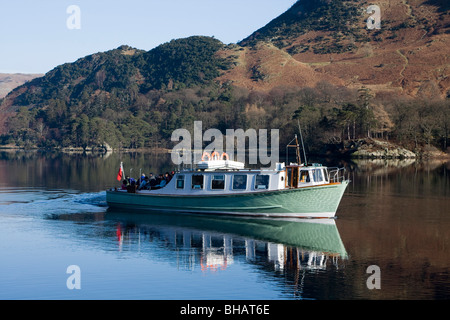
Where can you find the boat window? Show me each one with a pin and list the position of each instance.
(304, 176)
(318, 177)
(218, 182)
(262, 181)
(288, 176)
(180, 181)
(239, 182)
(197, 181)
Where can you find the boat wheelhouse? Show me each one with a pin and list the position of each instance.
(222, 186)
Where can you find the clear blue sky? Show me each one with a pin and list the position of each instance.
(34, 37)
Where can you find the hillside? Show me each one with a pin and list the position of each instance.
(332, 38)
(10, 81)
(263, 67)
(99, 98)
(317, 62)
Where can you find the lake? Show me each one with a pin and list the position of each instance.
(59, 240)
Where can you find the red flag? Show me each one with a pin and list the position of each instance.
(120, 174)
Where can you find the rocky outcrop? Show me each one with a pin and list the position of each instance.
(377, 149)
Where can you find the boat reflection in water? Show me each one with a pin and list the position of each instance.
(214, 243)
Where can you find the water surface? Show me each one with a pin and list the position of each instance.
(53, 215)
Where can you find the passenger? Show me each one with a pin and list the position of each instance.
(141, 179)
(152, 181)
(304, 176)
(144, 184)
(131, 188)
(167, 177)
(124, 184)
(158, 182)
(130, 180)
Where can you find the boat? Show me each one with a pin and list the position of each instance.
(217, 185)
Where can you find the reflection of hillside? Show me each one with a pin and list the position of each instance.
(382, 166)
(85, 172)
(401, 216)
(420, 179)
(391, 166)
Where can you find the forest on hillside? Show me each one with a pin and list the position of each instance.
(327, 115)
(129, 98)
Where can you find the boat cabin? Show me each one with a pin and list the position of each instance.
(229, 178)
(224, 181)
(298, 176)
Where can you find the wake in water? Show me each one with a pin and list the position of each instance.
(42, 202)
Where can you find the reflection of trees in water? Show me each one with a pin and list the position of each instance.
(406, 177)
(83, 172)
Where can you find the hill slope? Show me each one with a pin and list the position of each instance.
(10, 81)
(332, 37)
(318, 62)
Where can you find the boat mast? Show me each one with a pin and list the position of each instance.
(297, 151)
(297, 147)
(301, 138)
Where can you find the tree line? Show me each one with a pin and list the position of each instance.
(326, 114)
(129, 98)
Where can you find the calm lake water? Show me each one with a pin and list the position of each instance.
(394, 215)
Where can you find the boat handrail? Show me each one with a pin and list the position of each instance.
(336, 174)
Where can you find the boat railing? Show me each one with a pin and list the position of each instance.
(336, 174)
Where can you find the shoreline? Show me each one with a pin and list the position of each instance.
(346, 153)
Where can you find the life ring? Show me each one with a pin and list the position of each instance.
(225, 156)
(215, 155)
(206, 155)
